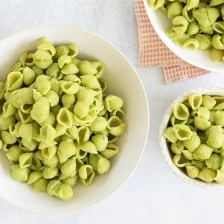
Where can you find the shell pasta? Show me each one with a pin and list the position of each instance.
(195, 136)
(196, 24)
(57, 123)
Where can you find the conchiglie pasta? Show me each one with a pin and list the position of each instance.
(68, 169)
(14, 153)
(86, 94)
(81, 109)
(82, 134)
(69, 87)
(14, 80)
(40, 185)
(113, 103)
(99, 66)
(34, 176)
(110, 151)
(87, 68)
(88, 147)
(66, 149)
(57, 125)
(40, 110)
(156, 4)
(90, 81)
(61, 50)
(100, 124)
(177, 147)
(65, 118)
(180, 111)
(191, 44)
(69, 69)
(100, 142)
(19, 174)
(86, 174)
(73, 50)
(68, 101)
(116, 126)
(174, 9)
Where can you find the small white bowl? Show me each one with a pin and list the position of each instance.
(122, 80)
(161, 23)
(163, 143)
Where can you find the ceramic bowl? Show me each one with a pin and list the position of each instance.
(161, 24)
(168, 155)
(122, 80)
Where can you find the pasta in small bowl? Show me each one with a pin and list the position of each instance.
(191, 137)
(68, 137)
(193, 30)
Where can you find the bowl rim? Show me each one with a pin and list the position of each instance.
(177, 52)
(210, 90)
(59, 26)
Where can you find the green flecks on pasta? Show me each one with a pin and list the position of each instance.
(192, 171)
(116, 126)
(86, 174)
(180, 111)
(156, 4)
(19, 174)
(58, 126)
(65, 118)
(14, 80)
(110, 151)
(40, 110)
(195, 24)
(82, 134)
(219, 176)
(69, 87)
(100, 142)
(182, 132)
(68, 169)
(195, 137)
(192, 29)
(66, 149)
(191, 44)
(180, 161)
(177, 147)
(174, 9)
(207, 175)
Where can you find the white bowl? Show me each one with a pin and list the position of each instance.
(163, 143)
(122, 80)
(161, 23)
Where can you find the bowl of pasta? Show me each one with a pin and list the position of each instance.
(192, 139)
(68, 137)
(192, 30)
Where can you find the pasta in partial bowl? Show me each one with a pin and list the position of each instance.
(66, 119)
(185, 33)
(192, 139)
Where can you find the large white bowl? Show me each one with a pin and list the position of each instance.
(122, 80)
(161, 23)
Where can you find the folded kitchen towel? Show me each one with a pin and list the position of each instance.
(154, 53)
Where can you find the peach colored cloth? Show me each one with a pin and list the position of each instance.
(153, 53)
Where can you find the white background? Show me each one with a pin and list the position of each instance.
(153, 194)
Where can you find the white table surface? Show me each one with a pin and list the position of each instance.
(153, 194)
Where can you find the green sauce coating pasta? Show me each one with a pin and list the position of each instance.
(214, 162)
(195, 137)
(219, 176)
(110, 151)
(192, 171)
(207, 175)
(196, 24)
(58, 126)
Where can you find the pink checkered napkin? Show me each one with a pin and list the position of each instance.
(154, 53)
